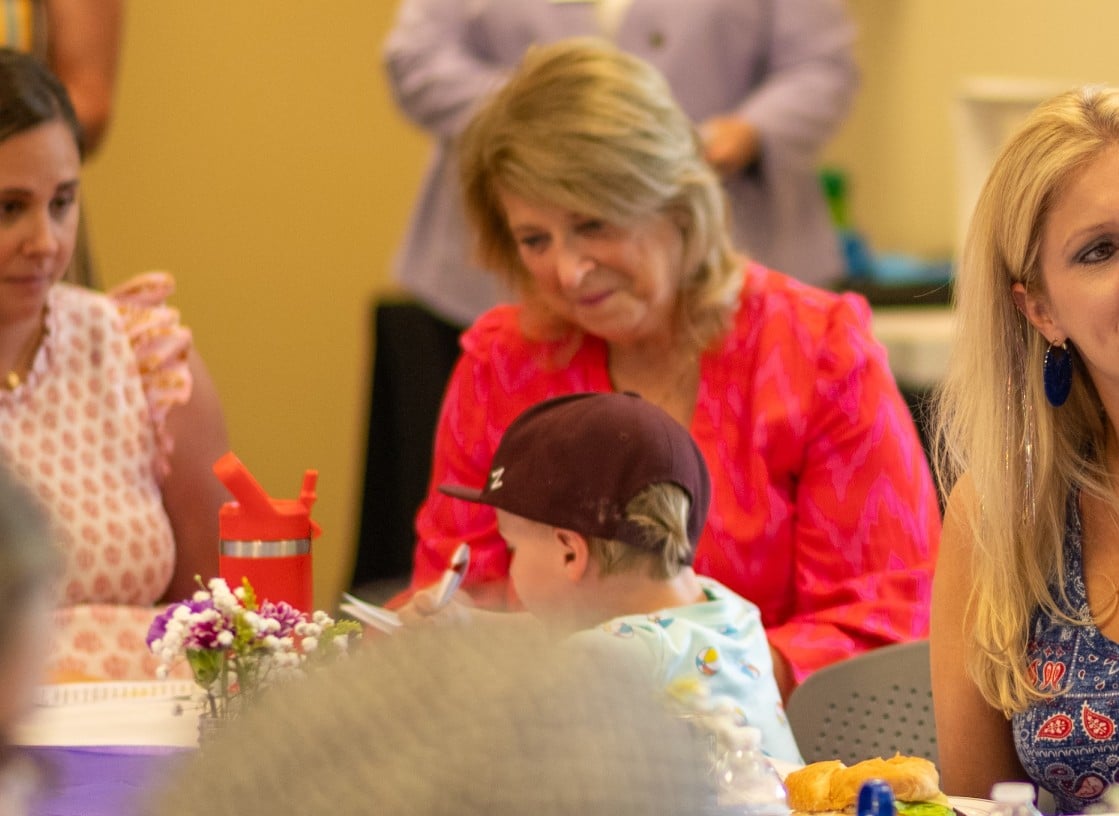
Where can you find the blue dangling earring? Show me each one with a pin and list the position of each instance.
(1057, 371)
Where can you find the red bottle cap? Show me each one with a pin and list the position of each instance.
(255, 516)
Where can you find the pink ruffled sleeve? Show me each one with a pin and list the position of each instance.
(161, 345)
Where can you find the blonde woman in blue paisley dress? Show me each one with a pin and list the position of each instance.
(1025, 613)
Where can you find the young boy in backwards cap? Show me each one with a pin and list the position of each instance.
(602, 497)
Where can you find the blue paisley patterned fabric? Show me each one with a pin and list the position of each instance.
(1068, 744)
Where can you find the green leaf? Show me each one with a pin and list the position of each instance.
(923, 809)
(249, 601)
(205, 665)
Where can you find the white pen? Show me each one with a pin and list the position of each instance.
(453, 575)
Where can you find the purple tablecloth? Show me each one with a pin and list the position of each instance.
(101, 780)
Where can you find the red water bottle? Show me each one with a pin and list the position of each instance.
(266, 540)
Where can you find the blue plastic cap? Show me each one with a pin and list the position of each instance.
(876, 798)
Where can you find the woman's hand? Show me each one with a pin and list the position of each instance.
(730, 144)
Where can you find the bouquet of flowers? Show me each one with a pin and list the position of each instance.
(236, 648)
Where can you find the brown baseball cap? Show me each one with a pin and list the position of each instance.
(576, 461)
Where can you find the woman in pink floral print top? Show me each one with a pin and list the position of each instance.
(95, 391)
(603, 214)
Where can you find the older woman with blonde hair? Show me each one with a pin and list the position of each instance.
(588, 191)
(1024, 617)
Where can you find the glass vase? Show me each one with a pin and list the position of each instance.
(211, 728)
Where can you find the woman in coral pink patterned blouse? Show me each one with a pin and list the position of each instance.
(602, 213)
(95, 392)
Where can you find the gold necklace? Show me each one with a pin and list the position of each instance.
(677, 384)
(13, 379)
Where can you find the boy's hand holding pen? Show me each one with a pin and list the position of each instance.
(432, 604)
(452, 576)
(438, 603)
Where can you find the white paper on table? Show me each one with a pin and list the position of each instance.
(970, 806)
(56, 694)
(142, 713)
(371, 615)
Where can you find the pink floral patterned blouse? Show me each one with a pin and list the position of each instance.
(86, 428)
(823, 512)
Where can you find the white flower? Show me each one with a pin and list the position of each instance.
(224, 600)
(308, 630)
(246, 653)
(288, 660)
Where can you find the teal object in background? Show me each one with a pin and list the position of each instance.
(862, 263)
(901, 268)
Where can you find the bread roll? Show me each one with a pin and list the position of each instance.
(809, 787)
(832, 786)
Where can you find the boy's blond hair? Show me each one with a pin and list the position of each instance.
(660, 511)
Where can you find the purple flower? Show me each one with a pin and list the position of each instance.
(284, 614)
(203, 633)
(159, 626)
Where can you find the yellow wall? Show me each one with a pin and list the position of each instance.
(898, 146)
(257, 155)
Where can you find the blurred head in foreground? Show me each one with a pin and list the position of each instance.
(487, 720)
(28, 565)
